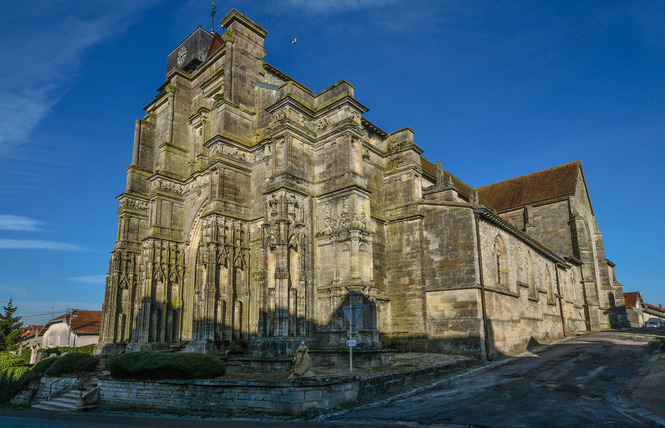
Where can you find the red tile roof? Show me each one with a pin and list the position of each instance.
(530, 189)
(83, 322)
(31, 331)
(631, 298)
(654, 308)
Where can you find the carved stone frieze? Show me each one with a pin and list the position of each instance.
(167, 185)
(133, 203)
(322, 124)
(263, 153)
(222, 148)
(196, 186)
(344, 219)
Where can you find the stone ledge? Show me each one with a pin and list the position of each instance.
(284, 397)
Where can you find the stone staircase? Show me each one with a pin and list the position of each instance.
(66, 402)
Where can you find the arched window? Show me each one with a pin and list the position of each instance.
(530, 276)
(548, 284)
(500, 256)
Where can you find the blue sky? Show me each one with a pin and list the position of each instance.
(492, 89)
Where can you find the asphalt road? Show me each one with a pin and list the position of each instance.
(584, 381)
(581, 382)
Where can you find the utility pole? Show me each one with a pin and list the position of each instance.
(69, 335)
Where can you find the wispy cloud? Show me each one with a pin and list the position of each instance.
(18, 223)
(44, 46)
(35, 244)
(90, 279)
(13, 290)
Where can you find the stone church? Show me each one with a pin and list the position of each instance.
(256, 209)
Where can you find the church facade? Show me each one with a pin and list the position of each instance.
(256, 209)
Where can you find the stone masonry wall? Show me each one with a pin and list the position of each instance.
(521, 306)
(288, 397)
(451, 279)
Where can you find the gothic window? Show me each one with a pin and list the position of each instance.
(530, 276)
(500, 256)
(548, 284)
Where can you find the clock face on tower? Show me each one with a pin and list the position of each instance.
(182, 55)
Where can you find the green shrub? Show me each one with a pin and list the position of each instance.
(14, 374)
(69, 363)
(158, 365)
(14, 380)
(8, 359)
(44, 365)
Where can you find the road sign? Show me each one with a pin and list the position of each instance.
(352, 313)
(351, 343)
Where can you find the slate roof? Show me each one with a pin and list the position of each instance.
(631, 298)
(530, 189)
(83, 322)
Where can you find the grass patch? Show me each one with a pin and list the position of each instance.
(159, 365)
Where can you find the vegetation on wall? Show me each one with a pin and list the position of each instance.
(14, 374)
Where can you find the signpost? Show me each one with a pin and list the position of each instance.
(352, 314)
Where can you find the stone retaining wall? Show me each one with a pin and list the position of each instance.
(287, 397)
(39, 390)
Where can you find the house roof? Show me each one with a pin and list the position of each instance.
(654, 308)
(82, 322)
(530, 189)
(631, 297)
(30, 331)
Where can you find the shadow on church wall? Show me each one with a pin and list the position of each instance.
(148, 333)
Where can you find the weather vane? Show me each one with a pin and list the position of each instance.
(212, 16)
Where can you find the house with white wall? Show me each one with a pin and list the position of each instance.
(72, 329)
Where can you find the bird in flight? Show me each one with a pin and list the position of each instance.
(295, 40)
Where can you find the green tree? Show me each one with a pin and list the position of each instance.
(10, 327)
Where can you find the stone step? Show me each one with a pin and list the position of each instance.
(74, 394)
(55, 405)
(63, 400)
(66, 401)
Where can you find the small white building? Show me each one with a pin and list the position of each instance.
(634, 308)
(73, 329)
